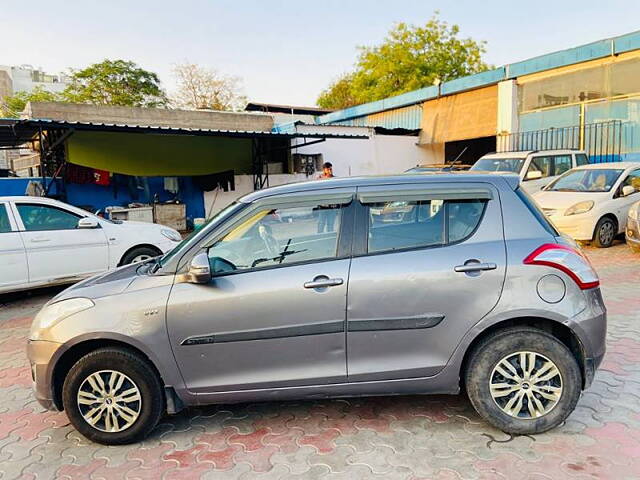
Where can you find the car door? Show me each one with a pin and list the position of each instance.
(421, 275)
(56, 248)
(273, 314)
(623, 203)
(542, 164)
(14, 272)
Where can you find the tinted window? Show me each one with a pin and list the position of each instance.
(401, 224)
(463, 217)
(277, 236)
(562, 163)
(43, 217)
(5, 226)
(581, 159)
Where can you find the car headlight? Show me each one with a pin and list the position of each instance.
(634, 211)
(171, 235)
(582, 207)
(52, 314)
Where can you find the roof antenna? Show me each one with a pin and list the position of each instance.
(461, 153)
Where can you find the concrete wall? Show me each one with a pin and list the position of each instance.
(379, 154)
(148, 116)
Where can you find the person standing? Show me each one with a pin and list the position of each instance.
(327, 214)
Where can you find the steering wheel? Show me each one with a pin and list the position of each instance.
(270, 242)
(578, 186)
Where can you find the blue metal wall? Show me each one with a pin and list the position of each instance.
(99, 197)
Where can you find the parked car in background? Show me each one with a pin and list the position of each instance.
(591, 203)
(536, 168)
(46, 242)
(632, 234)
(466, 285)
(438, 167)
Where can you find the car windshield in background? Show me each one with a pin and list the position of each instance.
(583, 180)
(499, 165)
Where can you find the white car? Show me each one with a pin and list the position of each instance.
(47, 242)
(591, 203)
(536, 168)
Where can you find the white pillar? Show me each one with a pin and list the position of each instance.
(507, 121)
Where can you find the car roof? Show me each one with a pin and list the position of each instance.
(609, 166)
(14, 198)
(373, 180)
(525, 153)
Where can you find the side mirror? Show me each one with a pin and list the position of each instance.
(533, 175)
(628, 190)
(199, 269)
(88, 222)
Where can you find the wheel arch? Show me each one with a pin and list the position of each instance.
(140, 245)
(553, 327)
(611, 216)
(77, 351)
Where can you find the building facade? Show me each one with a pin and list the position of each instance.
(25, 78)
(585, 97)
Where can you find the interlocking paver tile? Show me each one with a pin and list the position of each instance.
(405, 437)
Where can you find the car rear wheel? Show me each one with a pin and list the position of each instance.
(139, 254)
(113, 396)
(523, 381)
(605, 233)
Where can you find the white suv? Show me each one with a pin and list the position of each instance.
(47, 242)
(536, 168)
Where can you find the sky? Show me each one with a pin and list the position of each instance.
(284, 51)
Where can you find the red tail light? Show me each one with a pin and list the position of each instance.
(569, 260)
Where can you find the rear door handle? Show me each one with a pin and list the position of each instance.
(475, 267)
(323, 282)
(40, 240)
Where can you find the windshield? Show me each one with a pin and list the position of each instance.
(583, 180)
(200, 232)
(499, 165)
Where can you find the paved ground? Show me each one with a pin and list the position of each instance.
(405, 437)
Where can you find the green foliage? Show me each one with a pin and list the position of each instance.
(11, 106)
(115, 82)
(409, 58)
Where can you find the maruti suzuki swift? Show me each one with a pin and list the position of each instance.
(409, 284)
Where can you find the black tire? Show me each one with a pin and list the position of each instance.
(602, 238)
(501, 344)
(138, 371)
(131, 255)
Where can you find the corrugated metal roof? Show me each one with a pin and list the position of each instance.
(583, 53)
(21, 129)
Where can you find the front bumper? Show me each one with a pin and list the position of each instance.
(579, 227)
(41, 354)
(632, 233)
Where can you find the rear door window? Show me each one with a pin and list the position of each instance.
(581, 159)
(544, 165)
(561, 164)
(407, 224)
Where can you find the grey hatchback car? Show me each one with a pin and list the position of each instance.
(407, 284)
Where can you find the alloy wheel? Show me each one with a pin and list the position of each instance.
(109, 401)
(606, 233)
(526, 385)
(140, 258)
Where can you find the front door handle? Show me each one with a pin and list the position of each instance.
(323, 282)
(40, 240)
(475, 267)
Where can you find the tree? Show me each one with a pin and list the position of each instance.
(13, 105)
(201, 88)
(115, 82)
(409, 58)
(339, 94)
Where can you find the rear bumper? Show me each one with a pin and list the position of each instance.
(40, 354)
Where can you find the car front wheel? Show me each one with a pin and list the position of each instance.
(523, 381)
(605, 233)
(113, 396)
